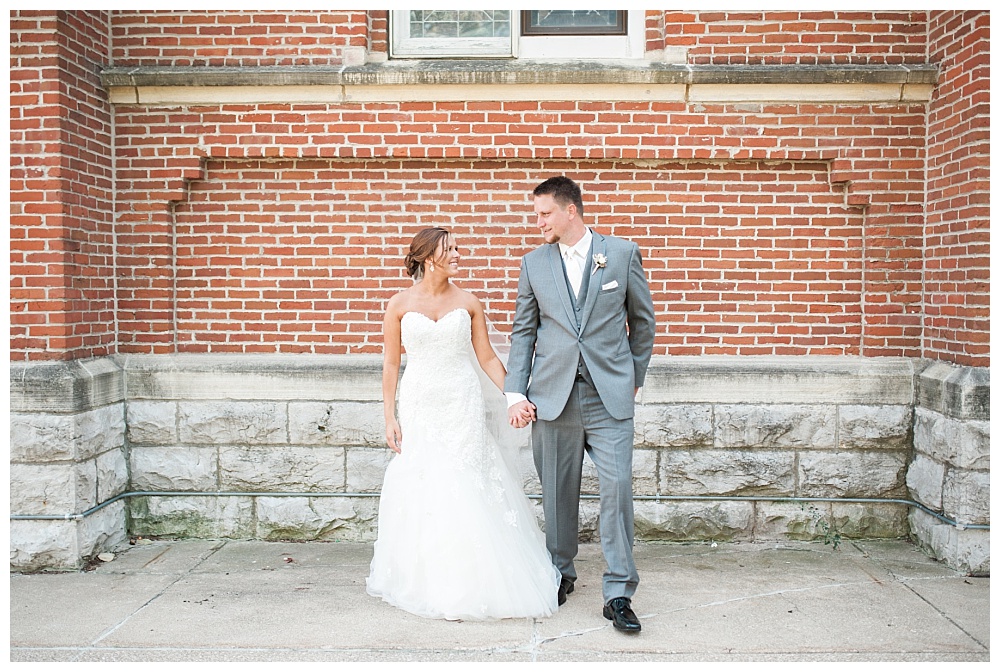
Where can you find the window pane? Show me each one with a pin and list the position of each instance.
(425, 23)
(573, 22)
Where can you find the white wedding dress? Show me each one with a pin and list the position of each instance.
(457, 537)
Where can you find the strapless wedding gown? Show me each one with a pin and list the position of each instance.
(457, 537)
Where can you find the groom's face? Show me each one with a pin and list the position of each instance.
(557, 223)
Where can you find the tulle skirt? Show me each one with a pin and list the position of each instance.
(457, 537)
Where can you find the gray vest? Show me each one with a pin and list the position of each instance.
(578, 303)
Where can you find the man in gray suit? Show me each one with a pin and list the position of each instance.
(580, 345)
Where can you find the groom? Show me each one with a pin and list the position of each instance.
(580, 345)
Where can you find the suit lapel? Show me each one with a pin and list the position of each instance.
(593, 277)
(559, 282)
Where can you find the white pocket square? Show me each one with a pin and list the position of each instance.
(609, 285)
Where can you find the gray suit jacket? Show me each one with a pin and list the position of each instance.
(546, 343)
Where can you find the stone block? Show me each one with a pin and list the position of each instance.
(796, 380)
(875, 427)
(966, 496)
(957, 391)
(852, 474)
(190, 517)
(338, 423)
(645, 479)
(960, 443)
(103, 530)
(777, 426)
(673, 425)
(42, 437)
(526, 470)
(801, 521)
(925, 480)
(49, 437)
(963, 550)
(66, 544)
(152, 423)
(52, 489)
(590, 520)
(869, 520)
(319, 518)
(170, 468)
(281, 469)
(254, 377)
(99, 430)
(233, 422)
(727, 472)
(692, 521)
(112, 473)
(65, 387)
(43, 544)
(366, 468)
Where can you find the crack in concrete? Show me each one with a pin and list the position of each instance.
(109, 631)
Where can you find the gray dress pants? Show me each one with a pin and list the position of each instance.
(558, 447)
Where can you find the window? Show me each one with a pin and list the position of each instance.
(529, 34)
(573, 22)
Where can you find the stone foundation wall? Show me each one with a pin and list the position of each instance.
(291, 447)
(67, 455)
(950, 472)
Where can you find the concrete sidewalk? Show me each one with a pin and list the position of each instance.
(290, 602)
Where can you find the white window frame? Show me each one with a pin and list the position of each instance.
(527, 47)
(401, 45)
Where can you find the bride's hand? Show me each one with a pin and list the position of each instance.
(393, 436)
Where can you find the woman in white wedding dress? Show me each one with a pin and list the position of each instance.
(457, 537)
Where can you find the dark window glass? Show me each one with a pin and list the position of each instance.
(573, 22)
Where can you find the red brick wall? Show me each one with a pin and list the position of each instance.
(254, 38)
(61, 239)
(766, 253)
(957, 254)
(767, 228)
(789, 37)
(236, 38)
(300, 256)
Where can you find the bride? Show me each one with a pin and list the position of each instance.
(457, 537)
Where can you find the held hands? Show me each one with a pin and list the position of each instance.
(393, 435)
(521, 414)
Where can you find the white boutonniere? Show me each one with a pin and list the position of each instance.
(600, 261)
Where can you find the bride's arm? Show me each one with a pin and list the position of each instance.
(391, 349)
(485, 353)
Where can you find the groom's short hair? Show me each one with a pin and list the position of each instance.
(563, 190)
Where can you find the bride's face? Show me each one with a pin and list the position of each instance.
(447, 257)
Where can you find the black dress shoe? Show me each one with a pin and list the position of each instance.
(565, 588)
(619, 612)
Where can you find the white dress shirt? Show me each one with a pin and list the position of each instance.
(575, 258)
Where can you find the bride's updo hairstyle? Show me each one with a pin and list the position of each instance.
(425, 245)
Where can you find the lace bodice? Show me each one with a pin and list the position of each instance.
(440, 398)
(445, 342)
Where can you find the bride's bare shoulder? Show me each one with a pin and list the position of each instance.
(471, 302)
(399, 303)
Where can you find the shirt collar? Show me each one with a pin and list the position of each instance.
(581, 246)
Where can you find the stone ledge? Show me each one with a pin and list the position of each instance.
(81, 385)
(517, 72)
(512, 80)
(65, 387)
(265, 377)
(957, 391)
(806, 379)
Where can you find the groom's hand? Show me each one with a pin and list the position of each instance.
(521, 414)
